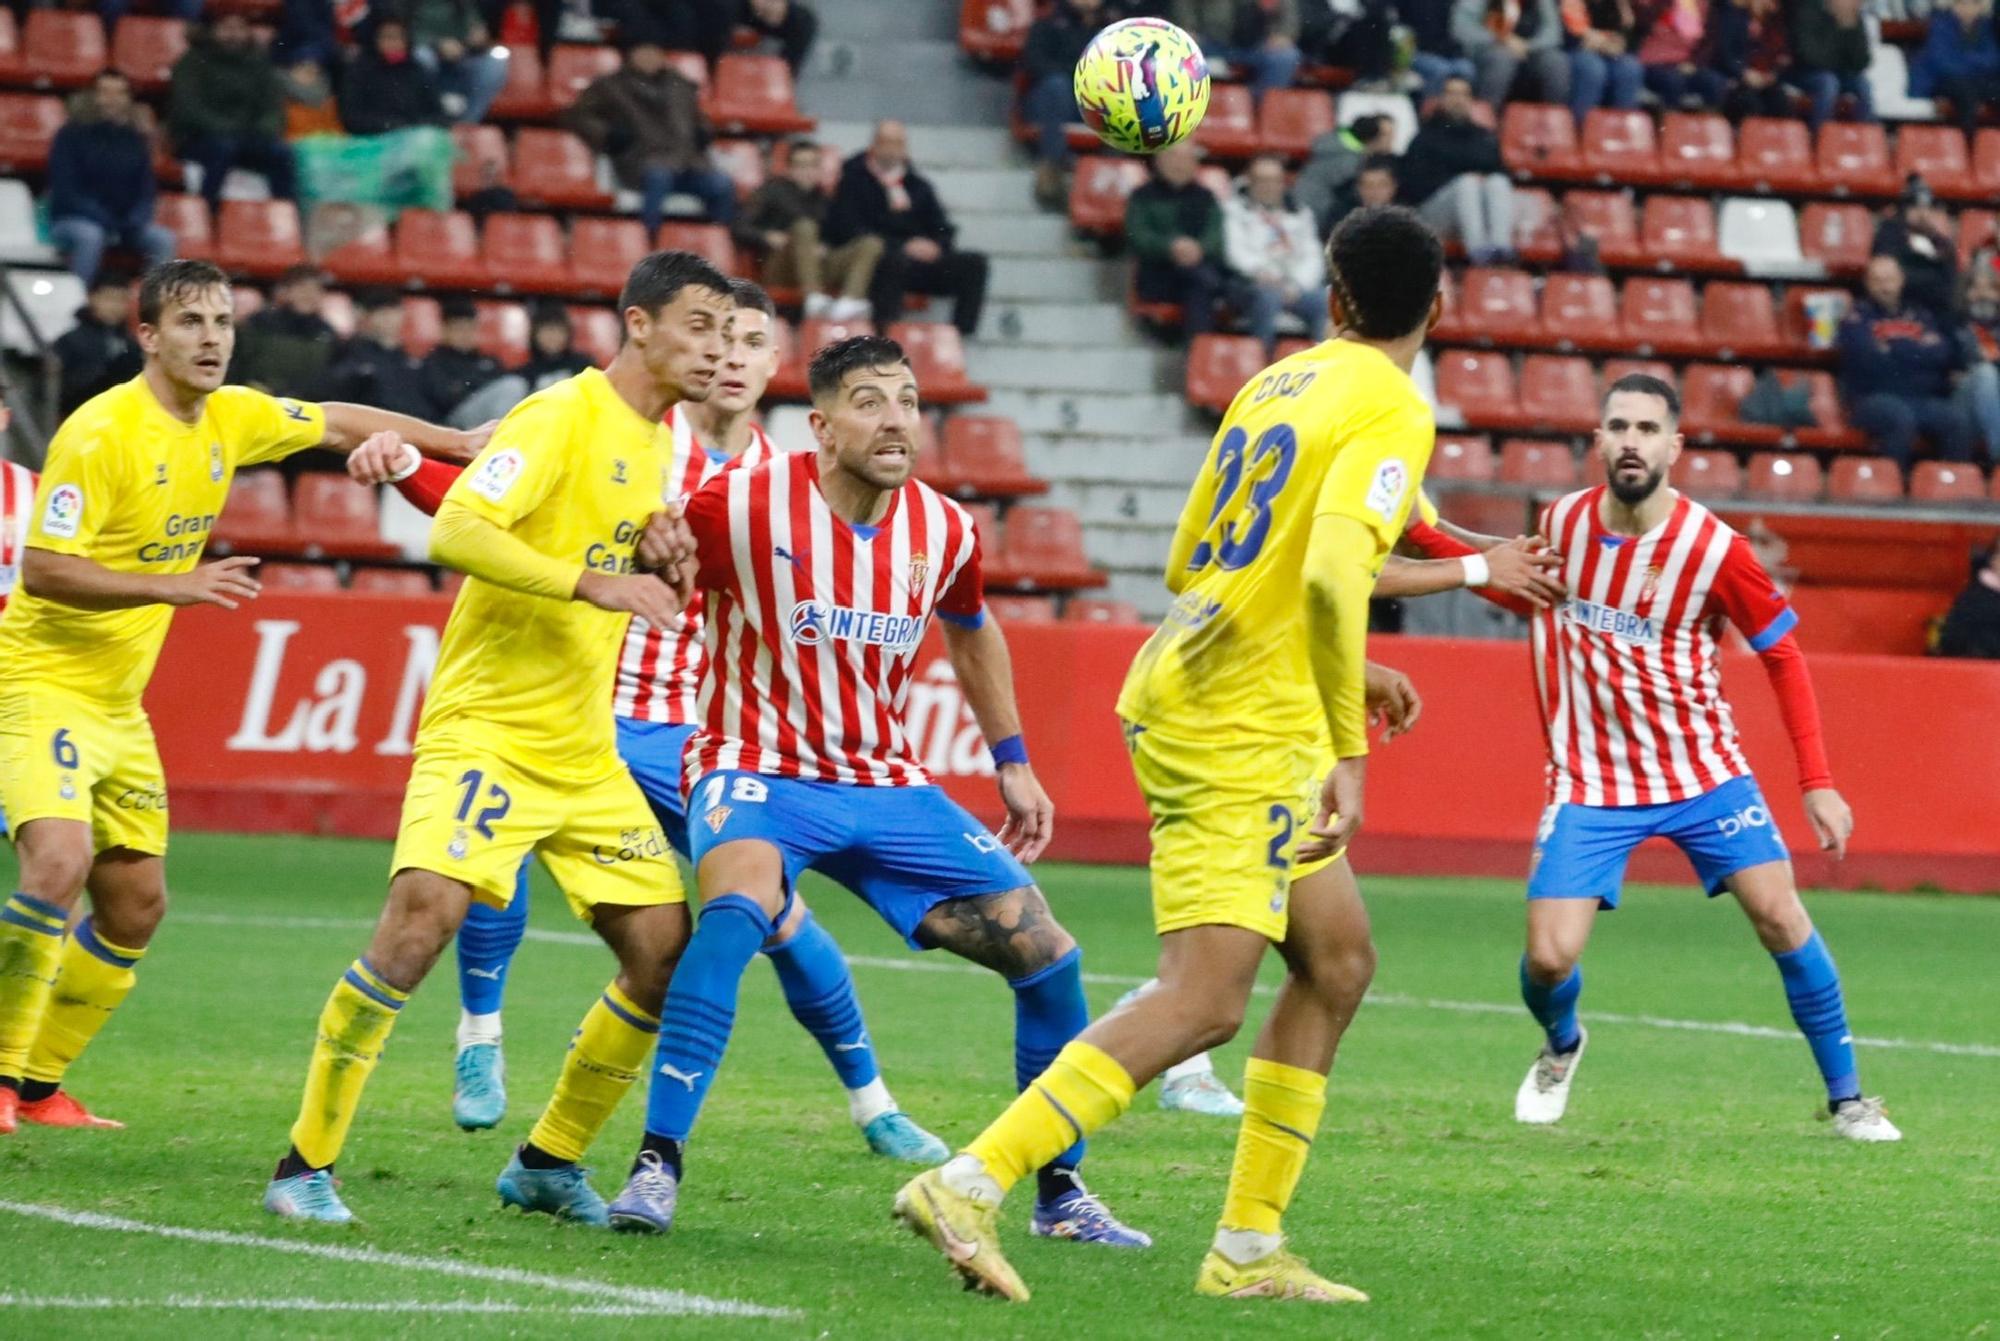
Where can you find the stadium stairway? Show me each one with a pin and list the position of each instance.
(1099, 406)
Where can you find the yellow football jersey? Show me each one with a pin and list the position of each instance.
(129, 486)
(573, 471)
(1335, 429)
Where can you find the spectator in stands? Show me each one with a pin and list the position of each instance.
(467, 385)
(1896, 366)
(881, 194)
(1048, 59)
(100, 179)
(1374, 185)
(98, 352)
(647, 117)
(1276, 247)
(310, 108)
(451, 41)
(683, 25)
(1510, 42)
(1603, 71)
(491, 196)
(1923, 240)
(288, 348)
(1674, 54)
(374, 369)
(552, 351)
(1747, 47)
(1452, 175)
(787, 22)
(1173, 225)
(1830, 56)
(386, 90)
(1960, 60)
(1980, 310)
(783, 222)
(1334, 160)
(226, 109)
(1437, 56)
(1972, 625)
(1245, 36)
(1357, 35)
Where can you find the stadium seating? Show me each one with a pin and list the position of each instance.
(392, 582)
(1097, 193)
(1290, 119)
(1620, 147)
(1098, 610)
(556, 169)
(1698, 150)
(596, 331)
(1606, 217)
(1558, 393)
(524, 97)
(257, 515)
(28, 122)
(986, 458)
(1229, 128)
(334, 515)
(1837, 236)
(754, 93)
(1710, 396)
(1538, 139)
(1797, 325)
(1016, 609)
(1938, 155)
(1657, 316)
(937, 355)
(1975, 230)
(603, 251)
(1539, 465)
(144, 49)
(1580, 312)
(1458, 457)
(525, 253)
(1785, 477)
(995, 30)
(711, 242)
(298, 577)
(1853, 159)
(573, 68)
(440, 249)
(62, 48)
(1679, 231)
(1480, 385)
(1537, 226)
(1738, 321)
(1759, 234)
(482, 156)
(258, 237)
(187, 216)
(367, 258)
(789, 382)
(1497, 306)
(1776, 156)
(1042, 547)
(1865, 479)
(1218, 366)
(503, 332)
(1944, 482)
(1707, 474)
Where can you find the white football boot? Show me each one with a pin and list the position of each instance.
(1864, 1120)
(1544, 1094)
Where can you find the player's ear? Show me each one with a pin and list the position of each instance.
(821, 431)
(1437, 312)
(1336, 311)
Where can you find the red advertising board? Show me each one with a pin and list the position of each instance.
(296, 714)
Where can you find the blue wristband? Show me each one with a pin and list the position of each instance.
(1012, 750)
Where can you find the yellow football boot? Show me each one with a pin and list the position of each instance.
(1279, 1276)
(966, 1230)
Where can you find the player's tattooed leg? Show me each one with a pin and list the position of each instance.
(1014, 934)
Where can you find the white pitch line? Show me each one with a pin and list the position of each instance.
(930, 964)
(654, 1301)
(203, 1303)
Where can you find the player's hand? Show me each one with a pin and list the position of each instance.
(667, 547)
(1392, 700)
(641, 594)
(382, 459)
(1339, 817)
(1832, 821)
(226, 582)
(1526, 568)
(472, 441)
(1031, 816)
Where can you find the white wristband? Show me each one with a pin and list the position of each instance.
(416, 460)
(1477, 572)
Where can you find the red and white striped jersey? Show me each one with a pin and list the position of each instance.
(1626, 668)
(17, 500)
(659, 672)
(814, 623)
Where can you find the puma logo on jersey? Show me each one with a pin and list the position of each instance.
(782, 553)
(672, 1072)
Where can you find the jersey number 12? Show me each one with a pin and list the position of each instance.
(1264, 468)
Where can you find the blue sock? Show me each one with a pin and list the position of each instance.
(1812, 986)
(1049, 1011)
(486, 945)
(700, 1012)
(820, 991)
(1554, 1008)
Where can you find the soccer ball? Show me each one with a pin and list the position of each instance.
(1142, 85)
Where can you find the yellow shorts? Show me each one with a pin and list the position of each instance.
(1227, 823)
(472, 817)
(65, 757)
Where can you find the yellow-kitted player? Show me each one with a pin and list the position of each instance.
(1251, 692)
(134, 481)
(516, 752)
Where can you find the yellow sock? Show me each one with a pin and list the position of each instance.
(607, 1053)
(1281, 1111)
(94, 980)
(352, 1029)
(1083, 1089)
(31, 941)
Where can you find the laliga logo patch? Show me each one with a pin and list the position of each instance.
(1750, 817)
(716, 818)
(497, 475)
(809, 623)
(63, 513)
(1385, 492)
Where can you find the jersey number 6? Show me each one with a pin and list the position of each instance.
(1269, 465)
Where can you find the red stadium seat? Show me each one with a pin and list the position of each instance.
(1710, 397)
(61, 48)
(525, 95)
(1540, 465)
(1480, 385)
(298, 576)
(482, 158)
(1620, 147)
(28, 122)
(392, 582)
(1098, 610)
(144, 49)
(1797, 331)
(257, 515)
(1838, 236)
(1497, 307)
(258, 237)
(1986, 161)
(440, 250)
(1537, 227)
(1229, 128)
(1292, 118)
(987, 458)
(1218, 366)
(369, 257)
(245, 300)
(603, 251)
(1043, 547)
(1976, 229)
(574, 68)
(525, 253)
(711, 242)
(1657, 316)
(1451, 328)
(1012, 609)
(1539, 139)
(1865, 479)
(1698, 149)
(1943, 482)
(1787, 477)
(1559, 392)
(1680, 231)
(503, 332)
(995, 30)
(1853, 159)
(754, 93)
(423, 325)
(555, 168)
(1098, 190)
(1707, 474)
(1739, 321)
(596, 331)
(1580, 312)
(1938, 155)
(937, 356)
(1616, 368)
(334, 515)
(1830, 428)
(187, 216)
(1776, 155)
(789, 383)
(1458, 457)
(1607, 217)
(10, 49)
(742, 161)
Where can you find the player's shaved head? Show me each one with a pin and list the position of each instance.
(1383, 264)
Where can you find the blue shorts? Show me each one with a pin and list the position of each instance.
(904, 850)
(652, 751)
(1580, 851)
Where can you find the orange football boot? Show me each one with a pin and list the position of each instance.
(62, 1110)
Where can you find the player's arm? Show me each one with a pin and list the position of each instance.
(384, 458)
(1516, 575)
(348, 426)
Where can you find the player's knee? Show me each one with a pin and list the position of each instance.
(423, 915)
(1783, 926)
(1345, 972)
(132, 917)
(1549, 961)
(54, 869)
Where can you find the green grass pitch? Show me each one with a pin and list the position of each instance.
(1689, 1193)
